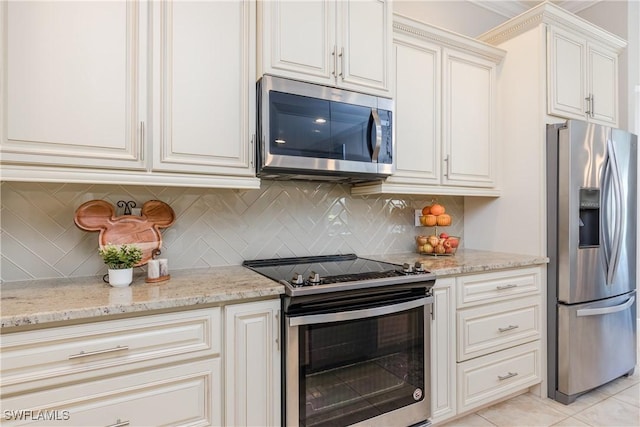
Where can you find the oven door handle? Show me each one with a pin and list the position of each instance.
(341, 316)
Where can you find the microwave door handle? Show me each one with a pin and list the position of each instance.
(378, 144)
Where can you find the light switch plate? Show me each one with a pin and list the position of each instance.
(418, 214)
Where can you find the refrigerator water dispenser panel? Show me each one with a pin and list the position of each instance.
(589, 226)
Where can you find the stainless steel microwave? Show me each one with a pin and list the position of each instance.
(309, 131)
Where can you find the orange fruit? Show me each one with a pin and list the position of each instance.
(443, 220)
(426, 210)
(428, 220)
(437, 209)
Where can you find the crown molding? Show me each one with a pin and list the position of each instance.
(512, 8)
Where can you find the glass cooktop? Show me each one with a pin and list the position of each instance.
(305, 275)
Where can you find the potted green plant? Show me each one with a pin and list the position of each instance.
(120, 260)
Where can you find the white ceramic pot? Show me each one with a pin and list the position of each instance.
(121, 278)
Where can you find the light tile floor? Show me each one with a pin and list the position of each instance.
(615, 404)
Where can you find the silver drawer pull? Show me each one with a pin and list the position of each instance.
(509, 375)
(93, 353)
(119, 423)
(508, 328)
(501, 287)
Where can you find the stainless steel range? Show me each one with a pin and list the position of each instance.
(357, 340)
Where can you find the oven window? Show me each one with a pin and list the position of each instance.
(309, 127)
(355, 370)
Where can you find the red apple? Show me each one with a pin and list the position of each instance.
(444, 236)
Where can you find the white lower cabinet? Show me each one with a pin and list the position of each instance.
(499, 332)
(187, 395)
(151, 370)
(489, 378)
(443, 351)
(162, 369)
(486, 339)
(252, 364)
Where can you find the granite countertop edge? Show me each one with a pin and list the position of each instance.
(49, 301)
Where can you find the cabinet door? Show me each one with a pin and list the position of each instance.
(364, 45)
(186, 394)
(204, 87)
(417, 120)
(468, 104)
(443, 351)
(567, 74)
(602, 65)
(252, 364)
(72, 92)
(297, 40)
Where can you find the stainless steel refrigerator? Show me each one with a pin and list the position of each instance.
(592, 189)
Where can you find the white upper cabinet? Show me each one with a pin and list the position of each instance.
(583, 76)
(73, 92)
(129, 92)
(336, 43)
(445, 114)
(204, 93)
(468, 117)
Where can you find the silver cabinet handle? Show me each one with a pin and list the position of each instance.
(142, 144)
(342, 63)
(119, 423)
(252, 150)
(94, 353)
(335, 62)
(509, 375)
(446, 167)
(589, 100)
(508, 328)
(502, 287)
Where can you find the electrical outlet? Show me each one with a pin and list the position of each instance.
(418, 214)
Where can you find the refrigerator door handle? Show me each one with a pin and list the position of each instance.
(616, 241)
(606, 310)
(611, 219)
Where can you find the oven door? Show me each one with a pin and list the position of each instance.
(368, 365)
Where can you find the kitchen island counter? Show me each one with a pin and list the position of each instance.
(44, 301)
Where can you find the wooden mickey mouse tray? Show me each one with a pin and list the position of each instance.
(143, 230)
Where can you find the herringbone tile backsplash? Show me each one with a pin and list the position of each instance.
(213, 227)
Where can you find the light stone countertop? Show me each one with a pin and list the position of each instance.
(39, 302)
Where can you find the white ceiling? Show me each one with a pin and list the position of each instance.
(511, 8)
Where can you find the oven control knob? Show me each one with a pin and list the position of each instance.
(407, 268)
(297, 279)
(314, 278)
(419, 267)
(417, 394)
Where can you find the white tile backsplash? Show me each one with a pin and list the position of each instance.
(213, 227)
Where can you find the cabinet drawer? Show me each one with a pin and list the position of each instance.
(70, 353)
(186, 395)
(492, 327)
(497, 286)
(488, 378)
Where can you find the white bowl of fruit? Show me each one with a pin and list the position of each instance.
(440, 245)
